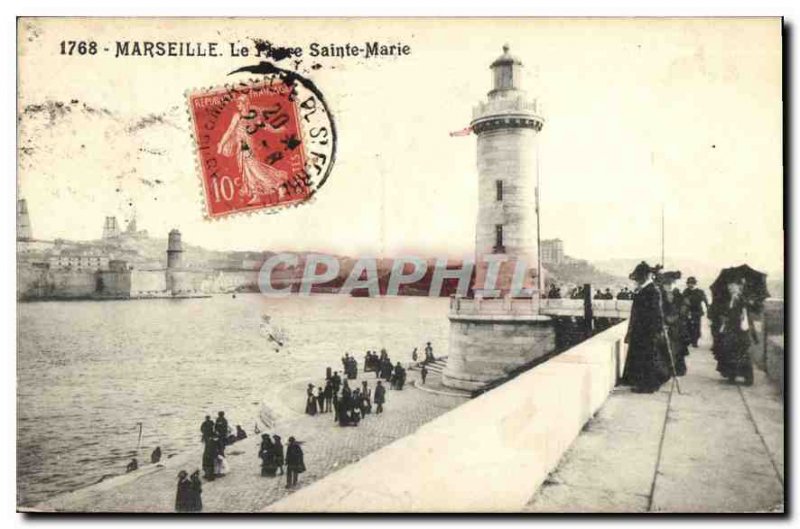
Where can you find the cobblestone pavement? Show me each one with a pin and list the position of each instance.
(327, 447)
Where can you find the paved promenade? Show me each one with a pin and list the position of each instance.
(327, 447)
(715, 447)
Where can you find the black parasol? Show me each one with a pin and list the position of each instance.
(754, 289)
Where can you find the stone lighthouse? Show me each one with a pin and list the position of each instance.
(500, 328)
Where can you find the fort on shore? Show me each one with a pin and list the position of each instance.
(125, 264)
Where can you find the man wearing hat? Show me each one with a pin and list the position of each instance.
(646, 366)
(695, 298)
(675, 313)
(294, 462)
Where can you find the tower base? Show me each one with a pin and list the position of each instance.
(487, 347)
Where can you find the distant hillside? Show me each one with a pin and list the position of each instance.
(579, 272)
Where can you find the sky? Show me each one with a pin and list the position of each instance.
(640, 114)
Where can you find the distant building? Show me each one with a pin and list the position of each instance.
(118, 265)
(132, 232)
(110, 228)
(79, 262)
(552, 251)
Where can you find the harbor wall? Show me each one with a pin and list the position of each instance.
(147, 282)
(43, 283)
(508, 439)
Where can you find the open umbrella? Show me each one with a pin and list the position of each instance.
(754, 289)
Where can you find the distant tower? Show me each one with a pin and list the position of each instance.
(507, 126)
(24, 232)
(110, 228)
(174, 262)
(174, 250)
(494, 333)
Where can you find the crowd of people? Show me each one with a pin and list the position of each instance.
(216, 435)
(351, 405)
(665, 322)
(348, 405)
(579, 292)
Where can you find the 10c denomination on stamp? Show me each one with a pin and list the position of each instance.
(262, 144)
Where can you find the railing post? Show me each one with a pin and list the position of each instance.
(588, 314)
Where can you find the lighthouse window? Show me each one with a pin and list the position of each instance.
(498, 238)
(499, 186)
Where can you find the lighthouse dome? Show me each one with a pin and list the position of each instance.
(506, 58)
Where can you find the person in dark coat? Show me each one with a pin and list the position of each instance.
(277, 448)
(184, 493)
(735, 335)
(221, 426)
(335, 402)
(646, 366)
(675, 315)
(327, 396)
(353, 368)
(346, 393)
(207, 428)
(311, 401)
(133, 465)
(366, 401)
(240, 433)
(320, 400)
(209, 457)
(380, 397)
(155, 457)
(696, 300)
(196, 489)
(267, 454)
(386, 372)
(424, 373)
(341, 416)
(294, 462)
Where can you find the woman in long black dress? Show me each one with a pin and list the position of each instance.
(183, 494)
(196, 491)
(646, 365)
(311, 400)
(735, 335)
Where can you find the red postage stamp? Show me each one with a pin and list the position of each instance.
(262, 144)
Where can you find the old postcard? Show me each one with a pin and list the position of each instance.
(400, 265)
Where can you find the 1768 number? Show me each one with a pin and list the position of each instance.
(79, 47)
